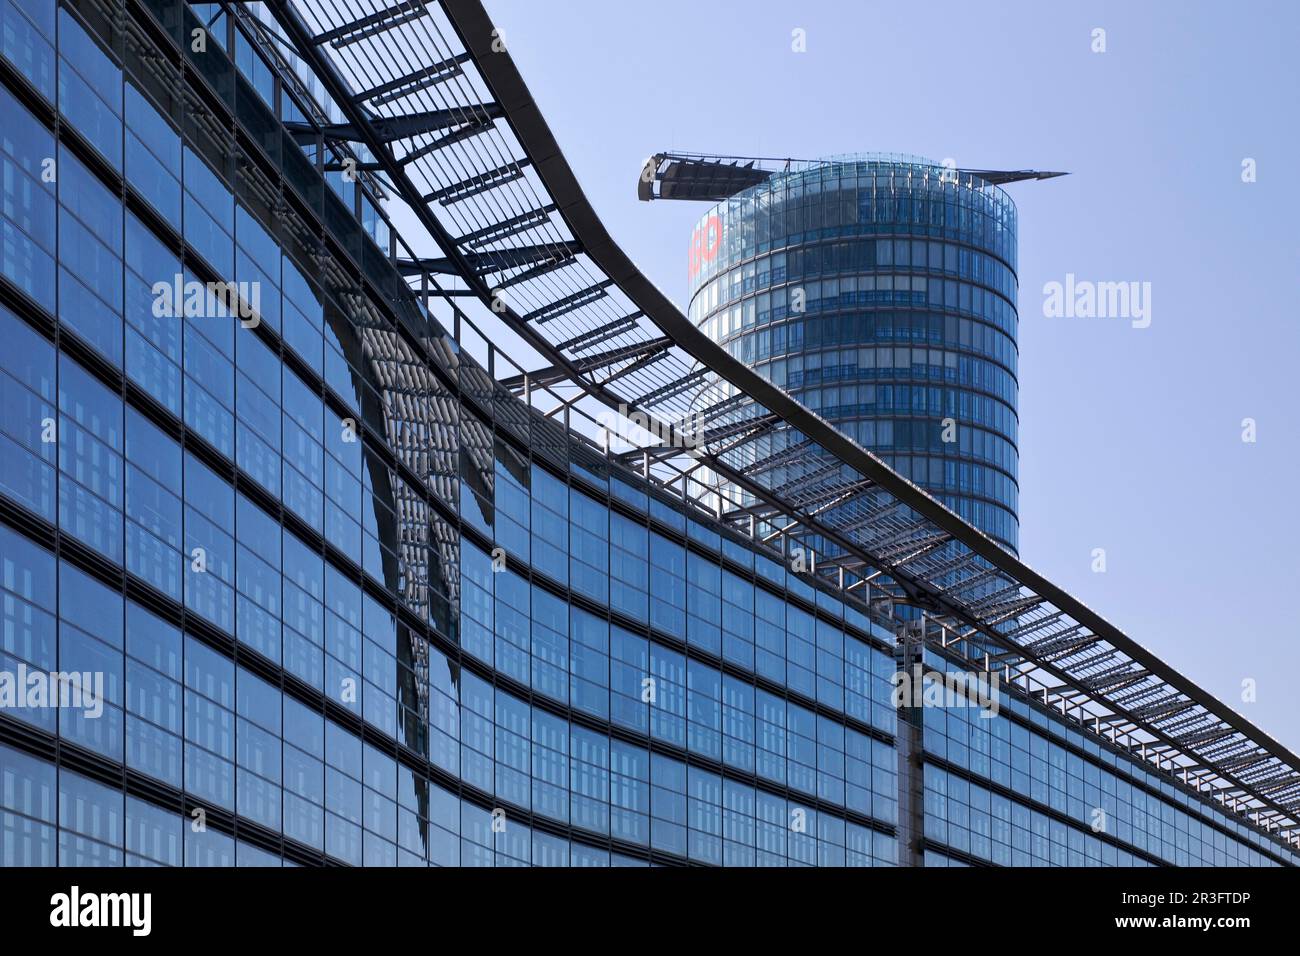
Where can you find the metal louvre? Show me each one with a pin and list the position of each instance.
(758, 460)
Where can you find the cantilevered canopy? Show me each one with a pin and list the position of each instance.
(493, 188)
(706, 178)
(676, 177)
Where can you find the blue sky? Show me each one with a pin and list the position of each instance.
(1130, 439)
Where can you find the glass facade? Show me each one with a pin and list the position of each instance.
(1024, 788)
(351, 601)
(881, 292)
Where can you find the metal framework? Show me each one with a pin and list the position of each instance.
(706, 178)
(431, 97)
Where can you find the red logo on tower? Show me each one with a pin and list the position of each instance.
(705, 242)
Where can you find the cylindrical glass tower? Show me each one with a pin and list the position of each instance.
(881, 292)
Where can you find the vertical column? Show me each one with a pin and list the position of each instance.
(908, 743)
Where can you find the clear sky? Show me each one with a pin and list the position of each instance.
(1130, 438)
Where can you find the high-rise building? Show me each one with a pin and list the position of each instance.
(880, 291)
(293, 547)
